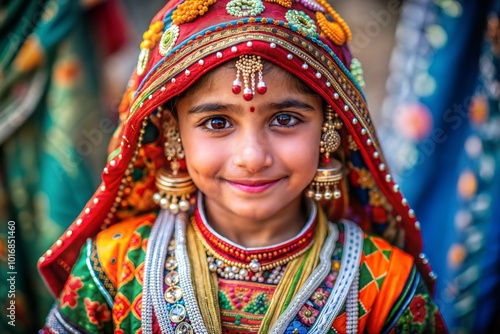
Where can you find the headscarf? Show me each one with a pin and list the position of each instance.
(187, 39)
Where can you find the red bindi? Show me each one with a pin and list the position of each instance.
(252, 109)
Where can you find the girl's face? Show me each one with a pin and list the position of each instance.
(251, 159)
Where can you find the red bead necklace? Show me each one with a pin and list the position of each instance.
(259, 259)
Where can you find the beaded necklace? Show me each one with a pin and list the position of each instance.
(260, 264)
(234, 272)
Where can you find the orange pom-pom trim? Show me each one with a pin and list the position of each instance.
(190, 9)
(332, 30)
(284, 3)
(338, 31)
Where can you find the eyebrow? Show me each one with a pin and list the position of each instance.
(290, 103)
(208, 107)
(217, 107)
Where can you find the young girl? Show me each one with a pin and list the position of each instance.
(238, 187)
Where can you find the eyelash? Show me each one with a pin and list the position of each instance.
(204, 123)
(293, 118)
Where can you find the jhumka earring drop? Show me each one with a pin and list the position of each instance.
(246, 67)
(174, 186)
(325, 184)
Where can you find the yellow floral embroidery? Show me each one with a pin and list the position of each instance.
(150, 39)
(377, 198)
(365, 179)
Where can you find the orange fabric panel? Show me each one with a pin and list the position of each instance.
(339, 324)
(400, 266)
(110, 247)
(378, 302)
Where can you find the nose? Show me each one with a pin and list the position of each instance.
(253, 152)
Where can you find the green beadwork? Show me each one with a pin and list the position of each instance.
(300, 20)
(241, 8)
(168, 39)
(224, 302)
(258, 306)
(357, 71)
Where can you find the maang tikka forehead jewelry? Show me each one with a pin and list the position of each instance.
(325, 184)
(175, 185)
(246, 67)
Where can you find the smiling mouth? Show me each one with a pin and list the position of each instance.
(253, 186)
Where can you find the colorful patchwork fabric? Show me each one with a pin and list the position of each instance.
(388, 284)
(104, 291)
(420, 315)
(243, 304)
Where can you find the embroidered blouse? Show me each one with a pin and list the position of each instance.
(105, 290)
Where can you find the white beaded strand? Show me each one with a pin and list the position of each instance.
(147, 300)
(352, 307)
(158, 272)
(317, 276)
(349, 268)
(184, 269)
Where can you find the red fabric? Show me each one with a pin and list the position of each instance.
(110, 27)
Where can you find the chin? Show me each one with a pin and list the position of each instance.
(250, 211)
(256, 211)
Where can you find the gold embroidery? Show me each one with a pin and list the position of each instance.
(365, 179)
(352, 144)
(97, 268)
(377, 198)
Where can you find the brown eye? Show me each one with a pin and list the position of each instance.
(217, 123)
(283, 119)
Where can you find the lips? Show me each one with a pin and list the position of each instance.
(253, 186)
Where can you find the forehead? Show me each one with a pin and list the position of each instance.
(274, 76)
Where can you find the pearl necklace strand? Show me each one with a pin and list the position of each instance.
(155, 260)
(237, 273)
(231, 268)
(346, 282)
(149, 293)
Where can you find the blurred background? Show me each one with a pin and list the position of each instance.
(431, 74)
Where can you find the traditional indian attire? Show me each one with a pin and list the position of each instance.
(127, 266)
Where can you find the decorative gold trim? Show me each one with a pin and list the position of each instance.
(199, 49)
(99, 270)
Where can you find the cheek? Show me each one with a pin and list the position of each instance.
(301, 155)
(203, 158)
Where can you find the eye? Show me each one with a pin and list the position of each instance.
(217, 123)
(285, 120)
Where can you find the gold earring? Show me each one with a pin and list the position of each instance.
(175, 185)
(325, 184)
